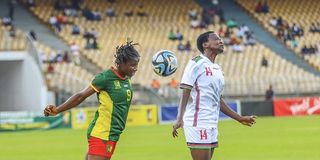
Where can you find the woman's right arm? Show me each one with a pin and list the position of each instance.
(183, 103)
(181, 110)
(73, 101)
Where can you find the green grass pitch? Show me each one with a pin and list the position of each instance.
(289, 138)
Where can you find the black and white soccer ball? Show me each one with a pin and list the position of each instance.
(164, 63)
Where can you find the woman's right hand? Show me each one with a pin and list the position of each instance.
(178, 124)
(50, 110)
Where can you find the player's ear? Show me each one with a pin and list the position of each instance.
(205, 44)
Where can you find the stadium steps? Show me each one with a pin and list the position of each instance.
(25, 21)
(232, 10)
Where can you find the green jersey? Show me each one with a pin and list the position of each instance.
(114, 94)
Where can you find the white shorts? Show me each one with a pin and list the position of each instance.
(201, 138)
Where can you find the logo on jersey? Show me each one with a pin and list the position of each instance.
(116, 84)
(109, 148)
(197, 58)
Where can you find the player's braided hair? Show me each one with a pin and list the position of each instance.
(202, 39)
(126, 52)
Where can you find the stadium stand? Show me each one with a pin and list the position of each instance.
(65, 75)
(11, 38)
(307, 17)
(244, 73)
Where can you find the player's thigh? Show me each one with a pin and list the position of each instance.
(202, 154)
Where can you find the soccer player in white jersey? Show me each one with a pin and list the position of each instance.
(203, 79)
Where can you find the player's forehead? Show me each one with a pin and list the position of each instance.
(133, 61)
(214, 36)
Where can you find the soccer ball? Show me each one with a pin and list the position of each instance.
(164, 63)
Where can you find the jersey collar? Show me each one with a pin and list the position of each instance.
(209, 61)
(204, 57)
(117, 73)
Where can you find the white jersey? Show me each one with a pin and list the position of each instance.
(206, 81)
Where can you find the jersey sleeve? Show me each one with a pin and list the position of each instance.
(99, 82)
(189, 76)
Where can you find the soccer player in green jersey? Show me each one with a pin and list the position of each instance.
(114, 92)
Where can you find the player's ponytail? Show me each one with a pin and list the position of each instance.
(126, 52)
